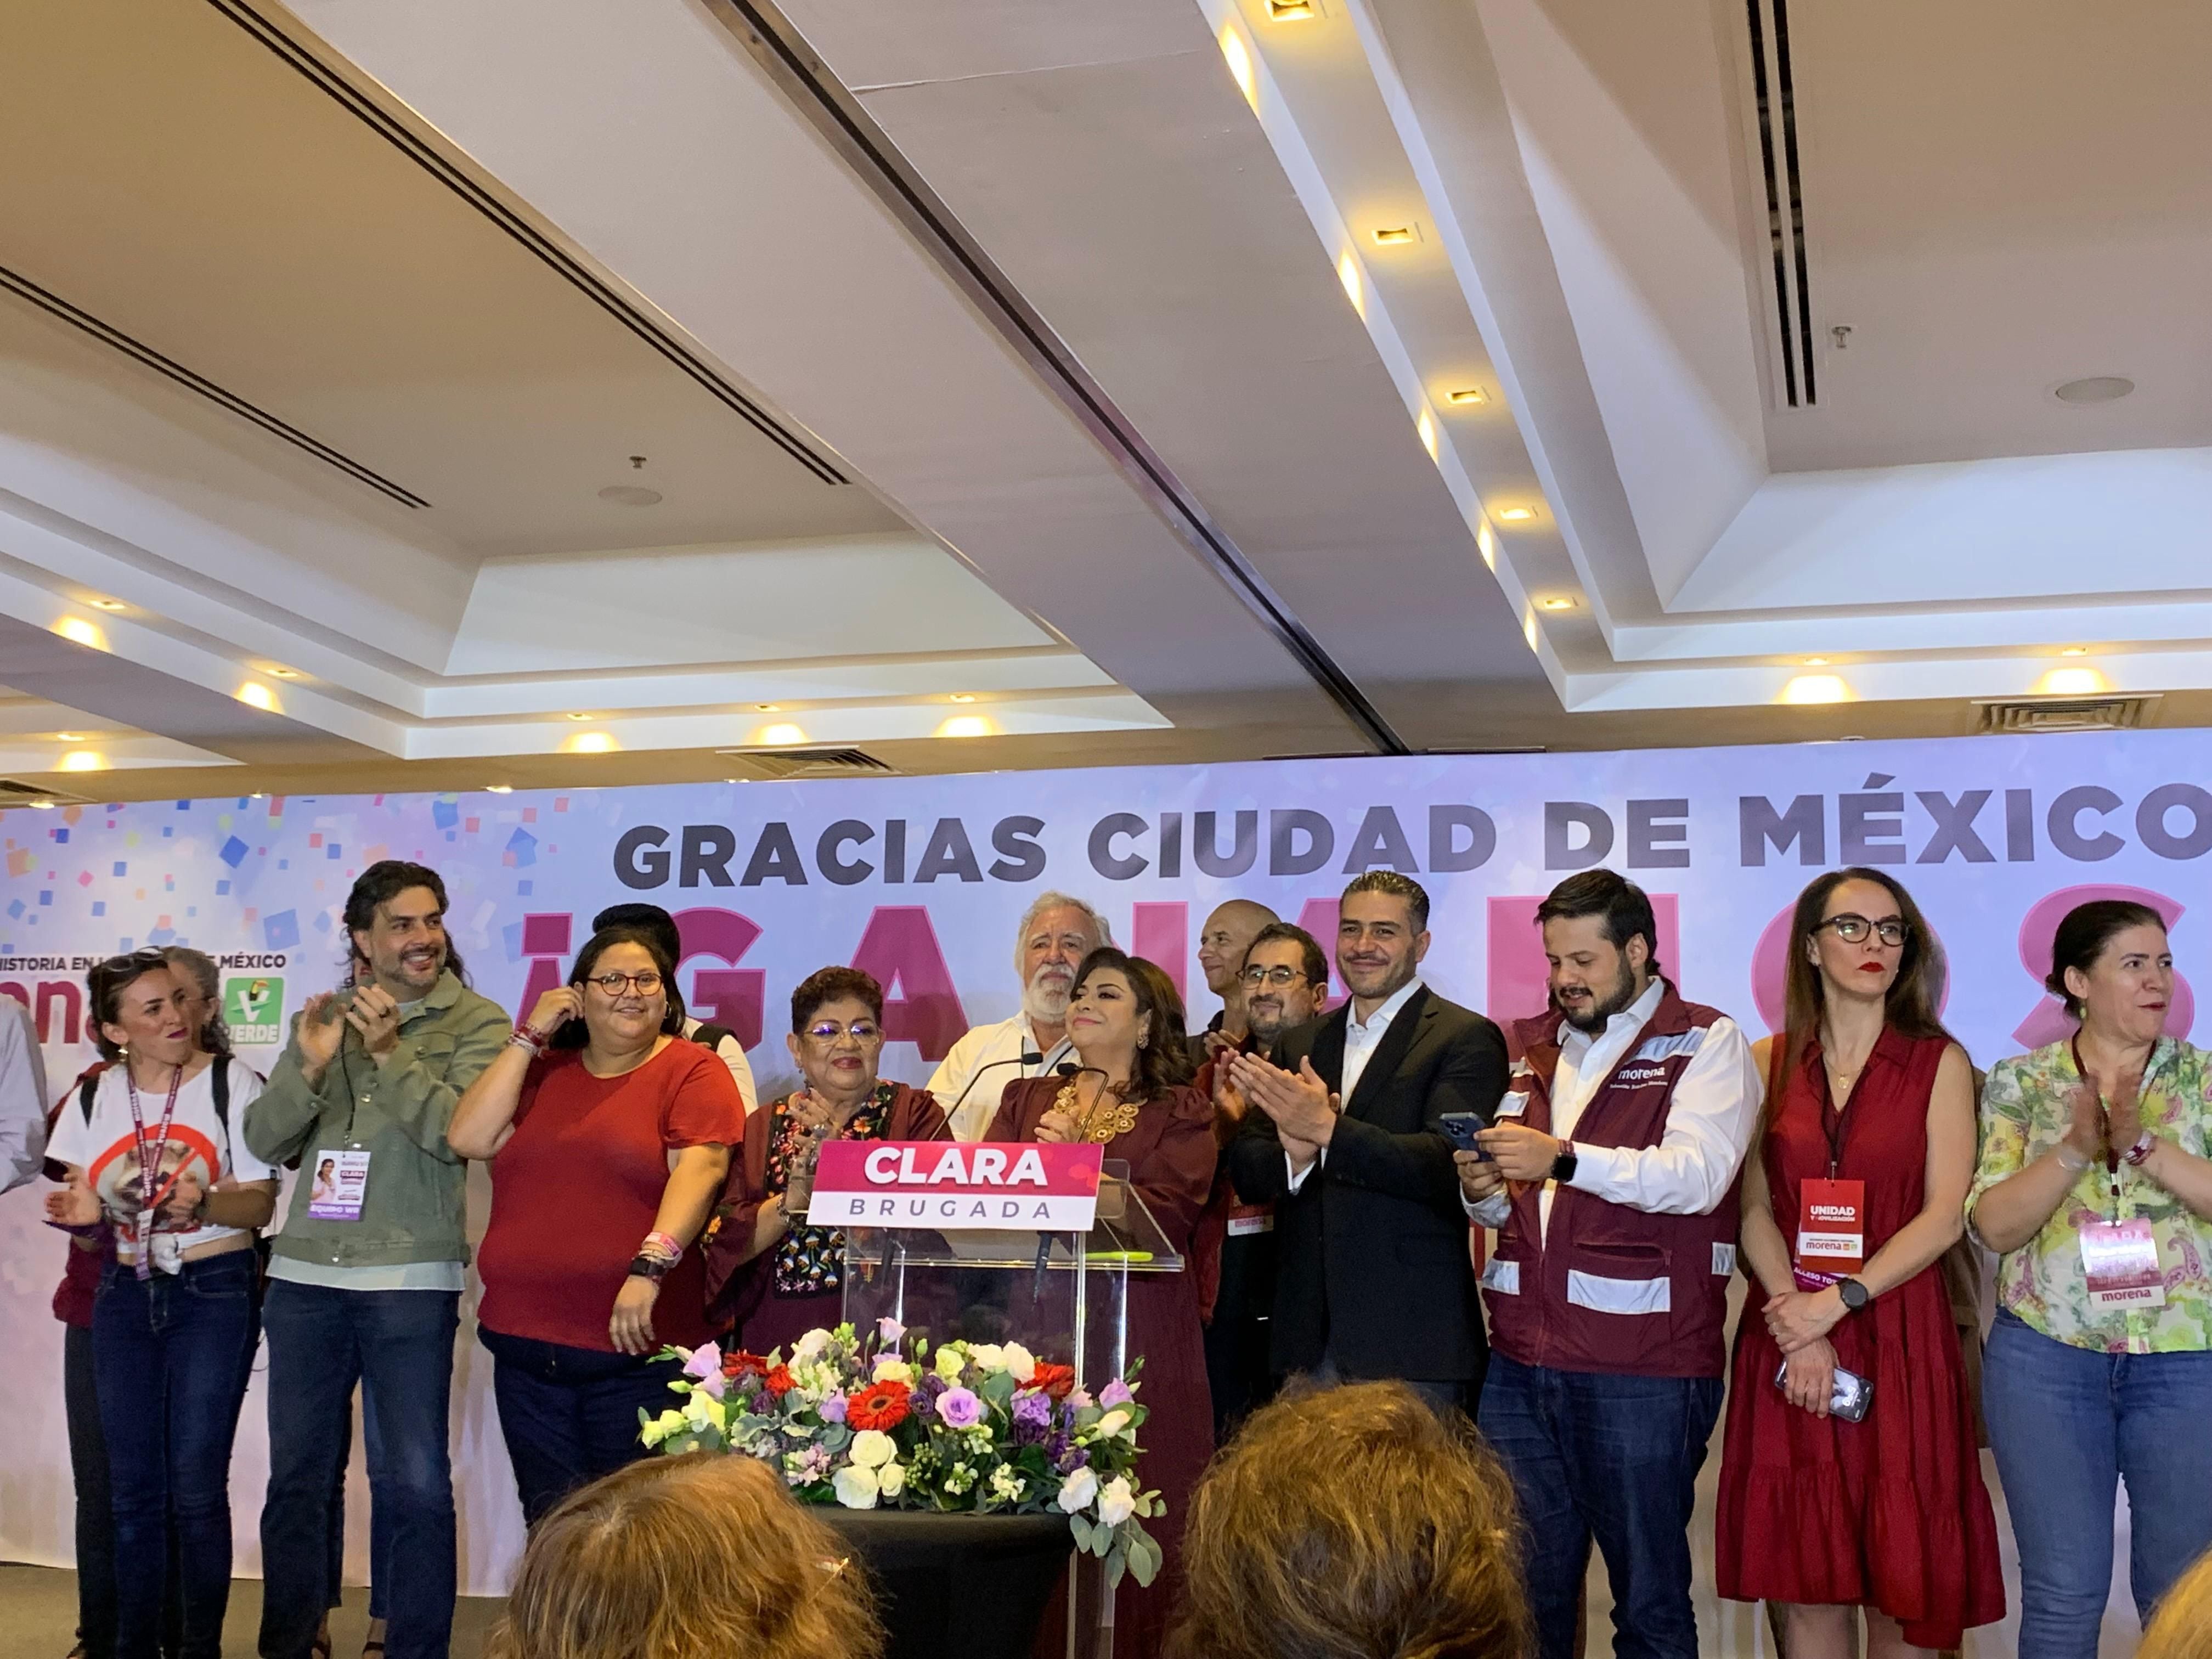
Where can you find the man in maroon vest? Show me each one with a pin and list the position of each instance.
(1611, 1176)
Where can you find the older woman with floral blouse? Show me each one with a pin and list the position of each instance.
(767, 1269)
(2094, 1186)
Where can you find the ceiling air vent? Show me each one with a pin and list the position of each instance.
(810, 763)
(1774, 103)
(15, 791)
(2105, 713)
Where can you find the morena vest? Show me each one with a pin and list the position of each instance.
(1613, 1289)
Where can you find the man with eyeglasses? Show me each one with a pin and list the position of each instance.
(1057, 932)
(1222, 942)
(1280, 983)
(366, 1275)
(1623, 1137)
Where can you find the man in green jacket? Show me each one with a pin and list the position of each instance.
(365, 1277)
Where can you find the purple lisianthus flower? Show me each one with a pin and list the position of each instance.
(703, 1362)
(960, 1408)
(1072, 1457)
(1032, 1419)
(1117, 1393)
(889, 1330)
(832, 1408)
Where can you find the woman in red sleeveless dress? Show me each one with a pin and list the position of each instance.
(1867, 1149)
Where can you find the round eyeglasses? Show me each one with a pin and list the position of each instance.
(614, 984)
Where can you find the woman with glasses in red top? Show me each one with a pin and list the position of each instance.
(776, 1277)
(608, 1136)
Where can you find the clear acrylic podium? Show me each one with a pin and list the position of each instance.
(1063, 1295)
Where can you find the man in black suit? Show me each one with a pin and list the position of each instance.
(1374, 1278)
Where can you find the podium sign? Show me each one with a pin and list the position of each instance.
(978, 1186)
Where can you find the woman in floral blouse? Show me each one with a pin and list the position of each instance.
(2093, 1185)
(777, 1278)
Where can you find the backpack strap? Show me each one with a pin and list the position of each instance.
(221, 1084)
(709, 1038)
(88, 1088)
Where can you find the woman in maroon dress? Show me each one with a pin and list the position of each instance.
(1866, 1153)
(777, 1278)
(1135, 1096)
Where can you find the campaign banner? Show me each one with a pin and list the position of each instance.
(986, 1187)
(921, 881)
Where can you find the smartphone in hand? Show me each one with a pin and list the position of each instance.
(1849, 1397)
(1459, 1128)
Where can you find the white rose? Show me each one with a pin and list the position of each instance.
(856, 1488)
(892, 1478)
(890, 1368)
(950, 1361)
(1077, 1492)
(1020, 1364)
(809, 1345)
(872, 1449)
(988, 1355)
(1113, 1423)
(1117, 1503)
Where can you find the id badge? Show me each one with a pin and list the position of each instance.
(2120, 1261)
(1249, 1220)
(340, 1179)
(1830, 1232)
(1514, 1104)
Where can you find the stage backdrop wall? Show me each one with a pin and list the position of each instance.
(922, 880)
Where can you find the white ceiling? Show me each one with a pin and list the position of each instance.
(1066, 306)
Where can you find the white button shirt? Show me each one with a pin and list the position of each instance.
(986, 1045)
(1360, 1042)
(1710, 1121)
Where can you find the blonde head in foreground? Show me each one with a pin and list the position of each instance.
(2181, 1628)
(678, 1557)
(1353, 1523)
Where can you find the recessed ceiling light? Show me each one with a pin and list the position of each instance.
(630, 495)
(1466, 395)
(105, 604)
(2076, 651)
(2095, 389)
(39, 805)
(69, 736)
(1285, 11)
(579, 717)
(283, 674)
(1816, 662)
(766, 707)
(1239, 59)
(1394, 235)
(499, 788)
(1816, 688)
(1559, 602)
(1517, 515)
(963, 696)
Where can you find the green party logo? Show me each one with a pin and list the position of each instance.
(253, 1009)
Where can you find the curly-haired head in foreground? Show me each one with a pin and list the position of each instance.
(673, 1558)
(1354, 1521)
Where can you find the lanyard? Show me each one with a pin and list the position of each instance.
(1831, 1119)
(150, 1193)
(2104, 1121)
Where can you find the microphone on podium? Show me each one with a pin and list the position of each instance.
(1027, 1057)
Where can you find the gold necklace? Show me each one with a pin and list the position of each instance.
(1109, 1116)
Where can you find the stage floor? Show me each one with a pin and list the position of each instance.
(38, 1617)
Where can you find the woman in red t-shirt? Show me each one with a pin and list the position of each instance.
(609, 1136)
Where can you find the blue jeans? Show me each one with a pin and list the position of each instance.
(1612, 1459)
(170, 1358)
(398, 1345)
(569, 1415)
(2067, 1424)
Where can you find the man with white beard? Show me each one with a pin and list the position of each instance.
(1056, 933)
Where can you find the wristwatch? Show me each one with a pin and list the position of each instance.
(1563, 1166)
(1853, 1293)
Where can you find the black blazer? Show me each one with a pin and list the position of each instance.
(1374, 1265)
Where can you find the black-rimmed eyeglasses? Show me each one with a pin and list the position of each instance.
(1891, 930)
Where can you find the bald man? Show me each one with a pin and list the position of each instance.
(1222, 943)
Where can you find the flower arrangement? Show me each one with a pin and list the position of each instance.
(976, 1428)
